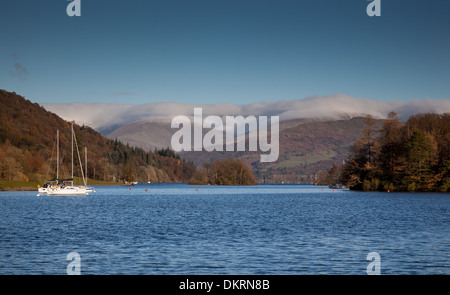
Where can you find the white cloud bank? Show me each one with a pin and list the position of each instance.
(103, 116)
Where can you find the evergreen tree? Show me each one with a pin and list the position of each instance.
(368, 142)
(418, 173)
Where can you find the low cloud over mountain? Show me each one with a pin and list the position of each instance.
(109, 117)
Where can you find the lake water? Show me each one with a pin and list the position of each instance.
(264, 229)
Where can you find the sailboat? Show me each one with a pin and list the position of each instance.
(60, 186)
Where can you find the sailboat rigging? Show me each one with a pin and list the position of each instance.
(59, 186)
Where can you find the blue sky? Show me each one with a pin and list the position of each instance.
(216, 51)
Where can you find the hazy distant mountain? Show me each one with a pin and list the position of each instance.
(145, 134)
(151, 134)
(307, 146)
(107, 117)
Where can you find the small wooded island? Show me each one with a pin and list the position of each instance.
(224, 172)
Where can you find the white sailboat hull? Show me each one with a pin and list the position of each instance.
(67, 191)
(42, 190)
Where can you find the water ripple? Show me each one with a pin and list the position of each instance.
(267, 229)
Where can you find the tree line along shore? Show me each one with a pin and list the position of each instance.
(400, 156)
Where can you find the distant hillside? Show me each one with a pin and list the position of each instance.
(27, 147)
(149, 135)
(306, 148)
(311, 147)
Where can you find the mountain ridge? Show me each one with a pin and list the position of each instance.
(307, 146)
(27, 139)
(107, 117)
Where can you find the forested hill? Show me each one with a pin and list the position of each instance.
(28, 153)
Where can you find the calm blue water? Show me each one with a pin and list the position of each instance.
(265, 229)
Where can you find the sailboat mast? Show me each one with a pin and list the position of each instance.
(72, 150)
(57, 154)
(85, 165)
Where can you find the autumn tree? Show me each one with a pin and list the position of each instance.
(412, 156)
(362, 162)
(225, 172)
(419, 149)
(391, 158)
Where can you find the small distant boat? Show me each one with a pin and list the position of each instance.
(338, 186)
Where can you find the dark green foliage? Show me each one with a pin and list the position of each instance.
(225, 172)
(167, 152)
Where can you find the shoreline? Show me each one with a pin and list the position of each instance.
(20, 186)
(10, 186)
